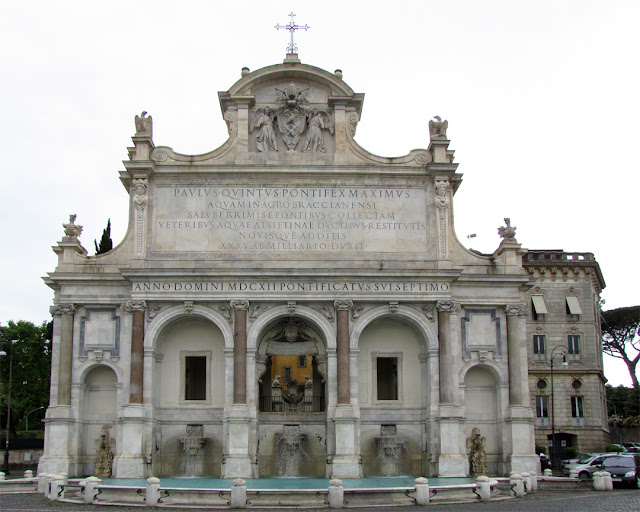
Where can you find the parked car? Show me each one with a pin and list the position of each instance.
(583, 458)
(623, 468)
(578, 459)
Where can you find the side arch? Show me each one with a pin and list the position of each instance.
(420, 322)
(494, 369)
(166, 317)
(88, 366)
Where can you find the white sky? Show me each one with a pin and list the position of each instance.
(541, 98)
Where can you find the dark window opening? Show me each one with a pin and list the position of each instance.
(573, 343)
(387, 378)
(538, 344)
(302, 361)
(287, 374)
(195, 379)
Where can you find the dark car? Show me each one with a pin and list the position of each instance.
(623, 468)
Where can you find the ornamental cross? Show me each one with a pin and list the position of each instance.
(292, 27)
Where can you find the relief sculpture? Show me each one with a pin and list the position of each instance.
(266, 138)
(291, 117)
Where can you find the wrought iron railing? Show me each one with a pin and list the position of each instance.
(278, 404)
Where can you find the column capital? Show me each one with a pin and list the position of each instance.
(134, 305)
(515, 310)
(62, 309)
(450, 306)
(343, 305)
(240, 304)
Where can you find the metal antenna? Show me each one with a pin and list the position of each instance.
(292, 27)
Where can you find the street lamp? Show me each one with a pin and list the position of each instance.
(561, 351)
(26, 418)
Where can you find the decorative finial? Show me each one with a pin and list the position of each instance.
(144, 124)
(508, 232)
(438, 128)
(292, 27)
(72, 230)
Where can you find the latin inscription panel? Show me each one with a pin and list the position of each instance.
(292, 219)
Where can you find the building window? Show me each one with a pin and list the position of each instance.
(542, 406)
(195, 378)
(577, 407)
(387, 378)
(287, 374)
(538, 344)
(302, 361)
(538, 308)
(541, 384)
(576, 384)
(573, 308)
(573, 342)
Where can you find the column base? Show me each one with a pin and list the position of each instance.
(238, 466)
(346, 466)
(453, 466)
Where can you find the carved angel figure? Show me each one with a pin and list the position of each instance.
(316, 123)
(266, 137)
(438, 128)
(144, 124)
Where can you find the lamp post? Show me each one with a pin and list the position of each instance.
(26, 418)
(555, 352)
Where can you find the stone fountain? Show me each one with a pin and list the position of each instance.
(390, 450)
(290, 451)
(192, 460)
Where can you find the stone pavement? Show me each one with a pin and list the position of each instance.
(578, 500)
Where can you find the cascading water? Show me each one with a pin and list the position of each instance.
(192, 460)
(290, 451)
(389, 450)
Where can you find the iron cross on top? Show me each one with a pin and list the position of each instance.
(292, 27)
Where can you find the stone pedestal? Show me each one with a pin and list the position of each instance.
(450, 461)
(237, 461)
(346, 461)
(59, 446)
(519, 442)
(130, 461)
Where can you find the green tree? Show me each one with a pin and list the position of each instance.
(623, 402)
(621, 337)
(28, 349)
(106, 244)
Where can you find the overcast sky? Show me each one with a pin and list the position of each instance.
(541, 99)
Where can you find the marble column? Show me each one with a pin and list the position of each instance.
(344, 389)
(447, 376)
(240, 308)
(515, 315)
(518, 441)
(136, 307)
(60, 450)
(65, 313)
(451, 461)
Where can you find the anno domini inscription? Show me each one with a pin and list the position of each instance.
(259, 219)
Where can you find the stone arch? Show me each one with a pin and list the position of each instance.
(88, 366)
(407, 314)
(98, 411)
(325, 328)
(482, 386)
(498, 374)
(165, 318)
